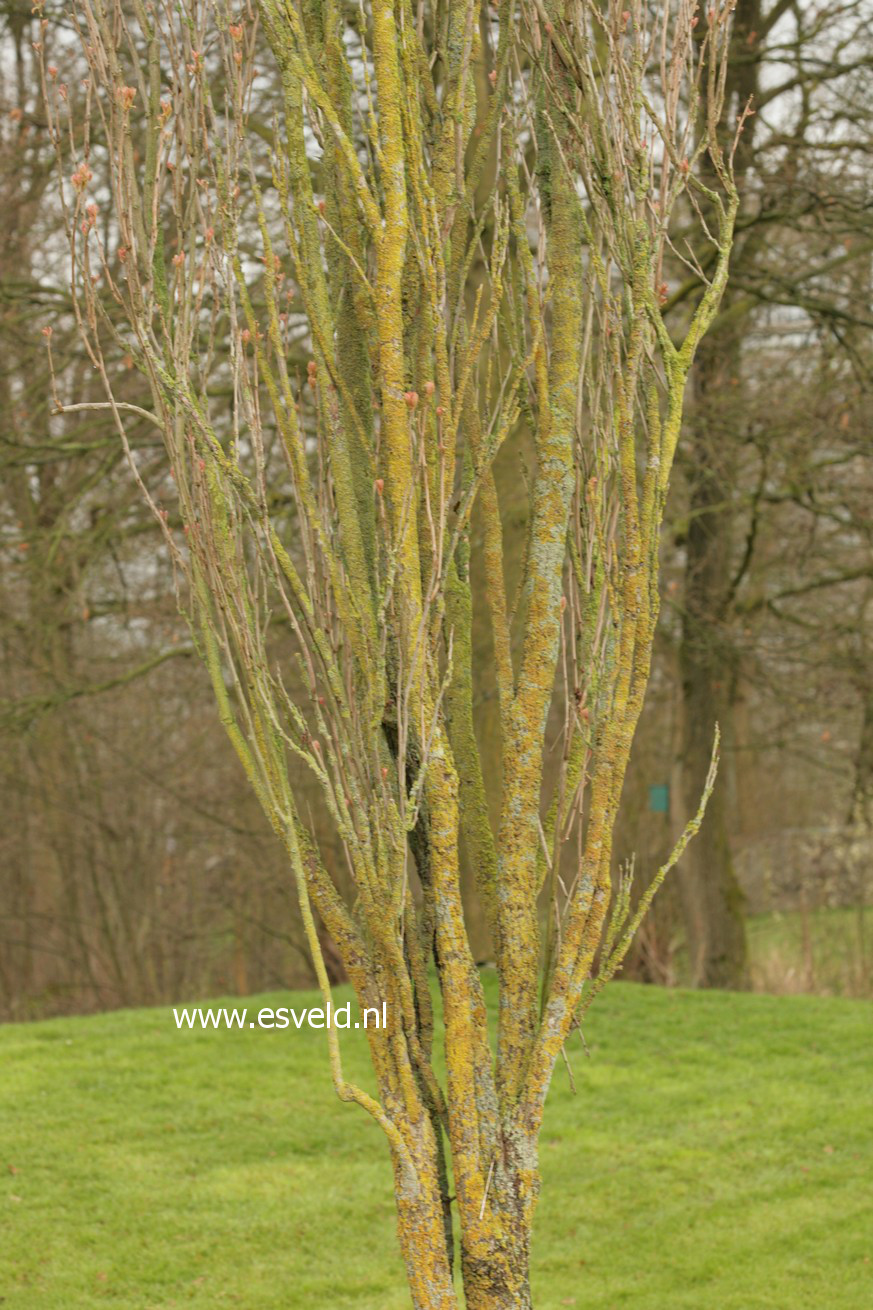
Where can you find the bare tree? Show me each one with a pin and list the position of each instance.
(801, 254)
(338, 505)
(121, 865)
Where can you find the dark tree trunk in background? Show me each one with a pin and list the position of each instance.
(861, 811)
(861, 818)
(713, 901)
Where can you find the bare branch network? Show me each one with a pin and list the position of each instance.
(428, 235)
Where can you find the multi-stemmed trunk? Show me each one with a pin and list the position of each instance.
(372, 569)
(494, 1255)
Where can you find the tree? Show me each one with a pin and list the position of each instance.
(126, 876)
(338, 505)
(803, 237)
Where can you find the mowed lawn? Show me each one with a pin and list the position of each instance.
(718, 1154)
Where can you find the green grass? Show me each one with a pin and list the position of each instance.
(718, 1155)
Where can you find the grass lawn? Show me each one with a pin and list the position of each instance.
(718, 1154)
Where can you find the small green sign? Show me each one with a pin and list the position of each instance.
(659, 797)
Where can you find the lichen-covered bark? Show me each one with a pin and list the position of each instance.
(543, 588)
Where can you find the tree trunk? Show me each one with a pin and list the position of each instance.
(497, 1274)
(861, 809)
(861, 819)
(500, 1283)
(714, 903)
(495, 1242)
(425, 1240)
(495, 1256)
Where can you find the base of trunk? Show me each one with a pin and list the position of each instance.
(497, 1284)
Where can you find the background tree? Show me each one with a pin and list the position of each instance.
(773, 445)
(123, 879)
